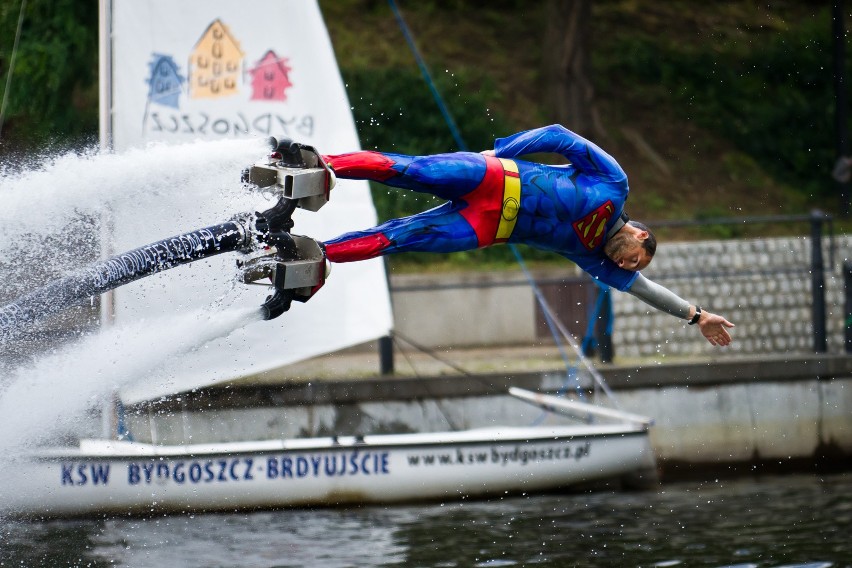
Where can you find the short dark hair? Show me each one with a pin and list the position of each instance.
(649, 244)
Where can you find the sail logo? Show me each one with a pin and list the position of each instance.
(215, 63)
(215, 70)
(178, 98)
(165, 83)
(270, 78)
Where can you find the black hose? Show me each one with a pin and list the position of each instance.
(119, 270)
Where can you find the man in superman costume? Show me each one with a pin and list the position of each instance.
(576, 210)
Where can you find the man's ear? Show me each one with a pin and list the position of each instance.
(642, 235)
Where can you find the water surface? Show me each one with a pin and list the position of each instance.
(792, 520)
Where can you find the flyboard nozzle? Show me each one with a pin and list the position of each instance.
(296, 265)
(285, 152)
(292, 171)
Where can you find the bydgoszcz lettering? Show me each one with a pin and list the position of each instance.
(223, 470)
(205, 125)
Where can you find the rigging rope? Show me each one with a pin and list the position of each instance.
(12, 64)
(425, 70)
(548, 313)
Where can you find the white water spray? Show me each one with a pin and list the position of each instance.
(45, 397)
(40, 202)
(50, 396)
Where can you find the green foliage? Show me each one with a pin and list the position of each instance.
(498, 257)
(53, 92)
(743, 168)
(395, 111)
(718, 231)
(772, 98)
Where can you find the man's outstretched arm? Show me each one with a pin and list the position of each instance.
(713, 327)
(584, 154)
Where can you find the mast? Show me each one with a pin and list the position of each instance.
(109, 426)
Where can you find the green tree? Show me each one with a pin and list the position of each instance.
(53, 94)
(568, 86)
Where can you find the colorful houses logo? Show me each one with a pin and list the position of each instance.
(165, 82)
(270, 78)
(215, 64)
(216, 69)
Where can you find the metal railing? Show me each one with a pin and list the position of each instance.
(817, 221)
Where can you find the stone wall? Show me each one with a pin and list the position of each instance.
(762, 285)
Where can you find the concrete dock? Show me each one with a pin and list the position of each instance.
(712, 417)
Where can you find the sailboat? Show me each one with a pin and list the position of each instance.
(113, 475)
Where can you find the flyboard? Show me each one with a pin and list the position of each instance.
(296, 266)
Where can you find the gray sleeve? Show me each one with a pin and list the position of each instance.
(659, 297)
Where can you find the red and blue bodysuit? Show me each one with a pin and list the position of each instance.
(568, 209)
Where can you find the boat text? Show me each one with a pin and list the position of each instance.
(228, 470)
(498, 455)
(329, 465)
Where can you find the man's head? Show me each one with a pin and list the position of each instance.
(632, 247)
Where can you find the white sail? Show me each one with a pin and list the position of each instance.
(214, 78)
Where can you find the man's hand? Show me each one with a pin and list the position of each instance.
(487, 153)
(713, 328)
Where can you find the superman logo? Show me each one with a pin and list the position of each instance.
(591, 228)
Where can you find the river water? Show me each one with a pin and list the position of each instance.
(792, 521)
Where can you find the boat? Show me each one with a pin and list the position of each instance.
(115, 477)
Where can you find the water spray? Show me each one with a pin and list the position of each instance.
(296, 266)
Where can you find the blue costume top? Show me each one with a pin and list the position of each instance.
(566, 209)
(569, 209)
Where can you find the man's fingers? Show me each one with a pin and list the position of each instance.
(719, 336)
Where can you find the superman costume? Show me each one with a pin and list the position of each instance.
(568, 209)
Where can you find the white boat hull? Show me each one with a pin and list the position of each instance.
(108, 477)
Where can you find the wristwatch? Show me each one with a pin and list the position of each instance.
(696, 317)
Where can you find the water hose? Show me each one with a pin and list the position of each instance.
(120, 270)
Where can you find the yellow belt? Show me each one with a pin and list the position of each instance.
(511, 200)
